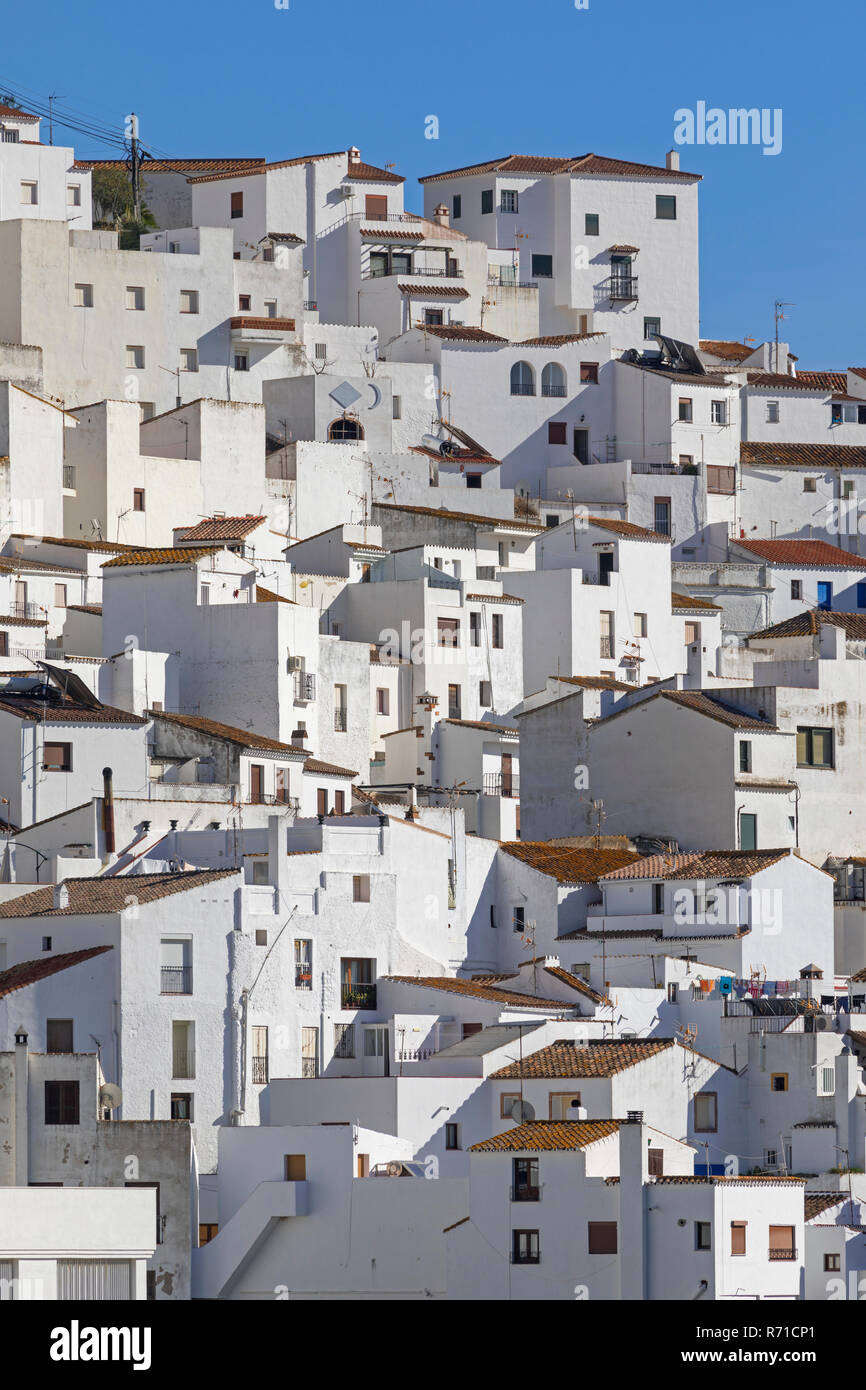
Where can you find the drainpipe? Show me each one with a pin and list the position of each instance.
(22, 1109)
(108, 810)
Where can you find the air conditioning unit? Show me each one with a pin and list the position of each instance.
(296, 663)
(347, 191)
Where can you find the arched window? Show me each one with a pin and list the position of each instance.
(345, 428)
(553, 380)
(522, 380)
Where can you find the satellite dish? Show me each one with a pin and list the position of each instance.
(522, 1111)
(394, 1170)
(110, 1096)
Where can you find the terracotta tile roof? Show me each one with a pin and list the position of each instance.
(261, 167)
(18, 564)
(545, 1135)
(714, 377)
(18, 115)
(583, 1059)
(268, 596)
(624, 250)
(702, 704)
(558, 339)
(30, 972)
(763, 455)
(719, 863)
(819, 1202)
(94, 896)
(495, 598)
(801, 553)
(764, 784)
(63, 710)
(370, 173)
(566, 863)
(227, 167)
(273, 325)
(486, 725)
(462, 333)
(492, 994)
(486, 523)
(860, 975)
(827, 381)
(808, 624)
(94, 609)
(692, 601)
(101, 547)
(593, 682)
(551, 164)
(291, 238)
(434, 291)
(727, 351)
(23, 622)
(780, 381)
(652, 934)
(380, 234)
(327, 769)
(219, 528)
(241, 738)
(627, 529)
(165, 555)
(576, 983)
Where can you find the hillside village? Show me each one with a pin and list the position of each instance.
(509, 849)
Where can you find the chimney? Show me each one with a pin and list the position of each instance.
(354, 154)
(831, 642)
(298, 737)
(440, 214)
(108, 809)
(60, 896)
(633, 1174)
(672, 159)
(22, 1109)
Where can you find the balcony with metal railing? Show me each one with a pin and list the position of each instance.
(782, 1252)
(260, 1071)
(522, 388)
(69, 476)
(500, 784)
(305, 686)
(526, 1194)
(597, 577)
(340, 721)
(183, 1066)
(422, 272)
(26, 610)
(175, 979)
(303, 975)
(621, 287)
(606, 648)
(553, 390)
(357, 996)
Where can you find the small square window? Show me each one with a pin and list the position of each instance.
(138, 499)
(601, 1237)
(245, 303)
(590, 224)
(508, 200)
(719, 412)
(242, 362)
(189, 359)
(666, 207)
(83, 297)
(73, 195)
(181, 1105)
(189, 301)
(832, 1263)
(360, 888)
(542, 267)
(135, 356)
(772, 412)
(652, 327)
(557, 432)
(30, 193)
(57, 757)
(589, 373)
(685, 409)
(779, 1081)
(810, 484)
(135, 297)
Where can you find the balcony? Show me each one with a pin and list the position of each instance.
(526, 1194)
(782, 1252)
(553, 390)
(310, 305)
(500, 784)
(522, 388)
(292, 803)
(69, 476)
(303, 975)
(597, 577)
(26, 610)
(246, 329)
(175, 979)
(606, 648)
(423, 271)
(309, 1068)
(621, 287)
(495, 284)
(305, 686)
(183, 1066)
(260, 1071)
(667, 468)
(357, 996)
(340, 721)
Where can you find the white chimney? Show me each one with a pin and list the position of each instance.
(672, 159)
(60, 897)
(354, 154)
(441, 214)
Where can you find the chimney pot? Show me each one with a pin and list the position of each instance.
(672, 159)
(60, 896)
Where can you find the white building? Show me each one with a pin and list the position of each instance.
(39, 180)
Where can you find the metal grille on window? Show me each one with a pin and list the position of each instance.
(94, 1279)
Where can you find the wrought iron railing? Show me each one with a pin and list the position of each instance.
(500, 784)
(183, 1066)
(622, 287)
(260, 1071)
(175, 979)
(357, 996)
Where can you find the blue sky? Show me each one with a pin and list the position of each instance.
(225, 78)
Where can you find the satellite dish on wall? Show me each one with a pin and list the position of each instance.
(522, 1111)
(110, 1096)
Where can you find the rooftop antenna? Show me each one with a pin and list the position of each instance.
(779, 305)
(52, 97)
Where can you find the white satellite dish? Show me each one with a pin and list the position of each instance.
(522, 1111)
(110, 1096)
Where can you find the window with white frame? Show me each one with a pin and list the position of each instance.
(189, 359)
(135, 356)
(29, 192)
(82, 297)
(826, 1079)
(73, 195)
(719, 412)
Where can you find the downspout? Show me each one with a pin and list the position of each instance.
(108, 811)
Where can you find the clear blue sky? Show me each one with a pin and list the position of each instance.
(242, 78)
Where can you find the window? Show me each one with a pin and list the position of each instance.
(396, 408)
(457, 206)
(848, 487)
(542, 267)
(475, 629)
(61, 1103)
(260, 866)
(135, 356)
(237, 204)
(518, 919)
(687, 461)
(590, 224)
(58, 1035)
(295, 1168)
(507, 1102)
(448, 632)
(831, 1263)
(551, 521)
(60, 595)
(748, 831)
(485, 694)
(656, 1163)
(522, 380)
(486, 200)
(357, 983)
(454, 702)
(738, 1237)
(344, 1040)
(83, 297)
(745, 751)
(779, 1081)
(270, 308)
(360, 888)
(345, 429)
(606, 634)
(146, 410)
(771, 1158)
(57, 757)
(719, 412)
(138, 499)
(496, 630)
(524, 1180)
(826, 1078)
(508, 200)
(73, 195)
(189, 301)
(135, 297)
(242, 362)
(673, 993)
(703, 1235)
(181, 1105)
(189, 359)
(658, 898)
(259, 1054)
(662, 515)
(553, 380)
(640, 624)
(581, 445)
(383, 700)
(183, 1050)
(563, 1105)
(589, 373)
(782, 1243)
(706, 1112)
(666, 207)
(524, 1248)
(557, 432)
(601, 1237)
(685, 409)
(825, 594)
(29, 193)
(175, 976)
(814, 747)
(452, 1136)
(206, 1232)
(245, 303)
(376, 207)
(772, 412)
(303, 963)
(46, 943)
(796, 588)
(652, 327)
(810, 484)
